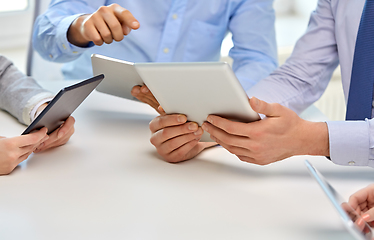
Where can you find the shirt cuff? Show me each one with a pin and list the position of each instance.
(349, 142)
(63, 44)
(35, 109)
(32, 103)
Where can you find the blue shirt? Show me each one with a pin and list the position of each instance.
(170, 31)
(330, 39)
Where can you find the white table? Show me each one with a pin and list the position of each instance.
(109, 183)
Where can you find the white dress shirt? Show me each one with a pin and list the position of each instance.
(329, 40)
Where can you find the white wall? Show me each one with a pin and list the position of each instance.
(16, 27)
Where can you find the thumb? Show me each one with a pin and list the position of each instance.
(368, 216)
(268, 109)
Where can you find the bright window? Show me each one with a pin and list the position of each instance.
(16, 19)
(14, 5)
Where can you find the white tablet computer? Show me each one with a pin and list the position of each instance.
(63, 105)
(197, 90)
(120, 76)
(351, 219)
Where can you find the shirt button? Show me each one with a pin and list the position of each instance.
(175, 16)
(351, 163)
(166, 50)
(50, 56)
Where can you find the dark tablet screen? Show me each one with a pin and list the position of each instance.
(63, 105)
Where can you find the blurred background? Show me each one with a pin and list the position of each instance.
(16, 19)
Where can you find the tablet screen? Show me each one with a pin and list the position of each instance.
(63, 105)
(352, 220)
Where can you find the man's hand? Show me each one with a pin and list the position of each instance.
(143, 94)
(363, 202)
(176, 139)
(108, 23)
(17, 149)
(280, 135)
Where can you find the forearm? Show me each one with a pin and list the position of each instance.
(18, 93)
(305, 75)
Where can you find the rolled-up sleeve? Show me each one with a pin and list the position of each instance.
(50, 31)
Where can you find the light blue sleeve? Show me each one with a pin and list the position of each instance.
(304, 77)
(352, 142)
(50, 29)
(255, 51)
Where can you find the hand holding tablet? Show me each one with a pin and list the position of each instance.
(63, 105)
(193, 89)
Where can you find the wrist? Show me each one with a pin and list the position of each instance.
(315, 139)
(74, 34)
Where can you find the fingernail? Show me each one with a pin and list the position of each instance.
(209, 119)
(198, 132)
(135, 24)
(145, 90)
(257, 102)
(204, 127)
(366, 217)
(182, 119)
(136, 91)
(193, 126)
(60, 134)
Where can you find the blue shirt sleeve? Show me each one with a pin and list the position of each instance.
(254, 51)
(50, 31)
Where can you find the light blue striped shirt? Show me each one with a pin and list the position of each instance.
(330, 39)
(170, 31)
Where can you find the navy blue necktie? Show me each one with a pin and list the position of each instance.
(360, 96)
